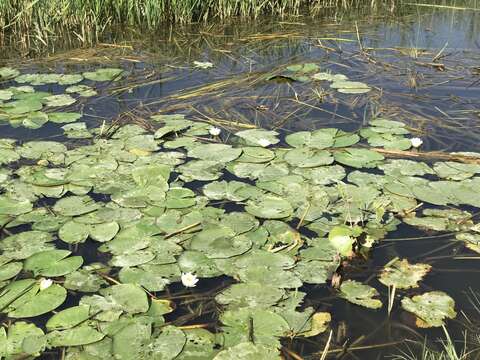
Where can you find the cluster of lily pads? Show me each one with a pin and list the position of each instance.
(308, 72)
(273, 213)
(23, 105)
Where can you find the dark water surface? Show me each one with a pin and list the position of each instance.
(425, 65)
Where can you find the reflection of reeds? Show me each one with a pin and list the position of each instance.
(85, 21)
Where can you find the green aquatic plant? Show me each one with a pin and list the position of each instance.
(175, 205)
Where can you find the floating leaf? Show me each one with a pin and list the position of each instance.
(35, 303)
(9, 270)
(15, 343)
(215, 152)
(20, 107)
(358, 158)
(262, 326)
(130, 298)
(75, 205)
(63, 117)
(319, 323)
(68, 318)
(258, 137)
(7, 73)
(403, 275)
(59, 100)
(341, 239)
(82, 90)
(360, 294)
(80, 335)
(350, 87)
(52, 263)
(250, 295)
(106, 74)
(269, 207)
(248, 351)
(431, 308)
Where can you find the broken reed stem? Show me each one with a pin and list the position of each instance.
(292, 354)
(429, 155)
(356, 348)
(179, 231)
(327, 346)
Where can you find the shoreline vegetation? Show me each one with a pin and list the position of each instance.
(43, 22)
(149, 14)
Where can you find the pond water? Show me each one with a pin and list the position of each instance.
(420, 67)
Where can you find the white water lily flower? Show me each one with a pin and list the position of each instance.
(214, 131)
(416, 142)
(189, 279)
(264, 142)
(45, 284)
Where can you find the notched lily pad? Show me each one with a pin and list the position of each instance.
(403, 275)
(360, 294)
(431, 308)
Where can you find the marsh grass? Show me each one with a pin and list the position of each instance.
(87, 19)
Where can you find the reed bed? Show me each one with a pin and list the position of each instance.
(44, 17)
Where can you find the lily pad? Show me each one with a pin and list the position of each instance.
(106, 74)
(254, 295)
(259, 137)
(360, 294)
(403, 275)
(34, 302)
(431, 308)
(52, 263)
(80, 335)
(7, 73)
(269, 207)
(248, 351)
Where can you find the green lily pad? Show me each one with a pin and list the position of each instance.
(263, 326)
(215, 152)
(106, 74)
(77, 130)
(84, 281)
(350, 87)
(20, 107)
(34, 303)
(69, 79)
(75, 205)
(9, 270)
(220, 242)
(14, 207)
(68, 318)
(128, 297)
(63, 117)
(248, 351)
(52, 263)
(358, 158)
(259, 296)
(306, 157)
(431, 308)
(82, 90)
(80, 335)
(7, 73)
(15, 343)
(360, 294)
(59, 100)
(403, 275)
(341, 239)
(269, 207)
(259, 137)
(26, 244)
